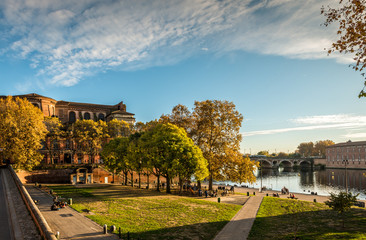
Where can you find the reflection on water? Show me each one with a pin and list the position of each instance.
(321, 181)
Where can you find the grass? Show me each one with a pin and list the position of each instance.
(288, 219)
(147, 214)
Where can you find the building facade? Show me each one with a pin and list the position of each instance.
(350, 154)
(69, 112)
(64, 150)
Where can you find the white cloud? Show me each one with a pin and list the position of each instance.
(341, 121)
(68, 40)
(355, 135)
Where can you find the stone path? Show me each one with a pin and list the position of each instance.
(241, 224)
(68, 222)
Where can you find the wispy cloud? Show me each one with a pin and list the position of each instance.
(356, 135)
(341, 121)
(68, 40)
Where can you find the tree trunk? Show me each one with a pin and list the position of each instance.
(199, 184)
(131, 179)
(148, 181)
(158, 188)
(114, 172)
(168, 184)
(180, 185)
(125, 178)
(139, 179)
(210, 183)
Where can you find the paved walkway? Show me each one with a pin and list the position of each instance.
(241, 224)
(69, 223)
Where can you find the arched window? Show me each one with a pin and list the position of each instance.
(72, 117)
(36, 105)
(101, 116)
(86, 116)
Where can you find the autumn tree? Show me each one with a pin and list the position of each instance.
(135, 156)
(89, 136)
(306, 149)
(349, 16)
(180, 116)
(21, 132)
(263, 152)
(54, 134)
(320, 146)
(215, 129)
(118, 128)
(240, 169)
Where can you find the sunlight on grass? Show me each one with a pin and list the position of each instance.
(287, 219)
(159, 216)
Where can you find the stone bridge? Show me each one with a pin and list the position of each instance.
(268, 162)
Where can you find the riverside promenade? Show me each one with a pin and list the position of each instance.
(240, 225)
(68, 222)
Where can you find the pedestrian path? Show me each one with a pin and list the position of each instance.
(240, 225)
(69, 223)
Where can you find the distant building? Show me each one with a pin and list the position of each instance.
(69, 112)
(351, 153)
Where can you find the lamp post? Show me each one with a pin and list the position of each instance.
(260, 168)
(345, 161)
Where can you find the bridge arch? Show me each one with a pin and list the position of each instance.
(305, 163)
(265, 163)
(286, 163)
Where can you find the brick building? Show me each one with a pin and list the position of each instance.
(68, 112)
(352, 154)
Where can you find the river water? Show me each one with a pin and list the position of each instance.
(322, 182)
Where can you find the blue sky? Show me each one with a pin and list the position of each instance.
(266, 56)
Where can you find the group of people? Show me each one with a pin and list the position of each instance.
(57, 204)
(284, 190)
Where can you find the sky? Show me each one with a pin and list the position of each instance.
(266, 56)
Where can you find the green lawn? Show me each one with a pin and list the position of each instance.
(149, 214)
(285, 219)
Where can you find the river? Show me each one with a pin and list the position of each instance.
(322, 182)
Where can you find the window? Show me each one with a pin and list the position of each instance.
(72, 117)
(101, 116)
(86, 116)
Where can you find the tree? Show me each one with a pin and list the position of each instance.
(320, 146)
(21, 132)
(89, 136)
(306, 149)
(341, 202)
(283, 155)
(172, 153)
(180, 116)
(53, 125)
(114, 154)
(241, 169)
(350, 17)
(215, 130)
(118, 128)
(264, 152)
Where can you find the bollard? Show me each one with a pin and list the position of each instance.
(105, 229)
(70, 201)
(248, 194)
(58, 235)
(35, 184)
(112, 228)
(314, 199)
(128, 235)
(254, 193)
(218, 200)
(267, 194)
(119, 233)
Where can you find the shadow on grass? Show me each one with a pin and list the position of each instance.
(200, 231)
(321, 224)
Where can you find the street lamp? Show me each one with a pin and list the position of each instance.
(345, 161)
(260, 168)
